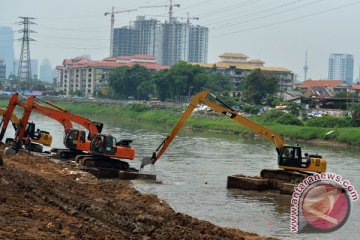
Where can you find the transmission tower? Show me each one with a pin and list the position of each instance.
(24, 71)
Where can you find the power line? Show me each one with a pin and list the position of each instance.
(288, 20)
(230, 7)
(75, 38)
(268, 15)
(254, 13)
(195, 5)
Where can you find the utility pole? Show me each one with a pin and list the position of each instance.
(24, 71)
(112, 21)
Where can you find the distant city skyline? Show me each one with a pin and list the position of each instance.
(278, 32)
(7, 48)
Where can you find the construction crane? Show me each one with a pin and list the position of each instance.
(187, 18)
(112, 26)
(170, 6)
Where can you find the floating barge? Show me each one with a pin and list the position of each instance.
(259, 184)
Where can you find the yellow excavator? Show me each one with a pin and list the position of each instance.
(291, 163)
(37, 136)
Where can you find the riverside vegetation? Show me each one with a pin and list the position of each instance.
(286, 124)
(324, 128)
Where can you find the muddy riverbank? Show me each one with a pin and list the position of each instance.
(41, 199)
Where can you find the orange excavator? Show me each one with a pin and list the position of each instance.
(38, 137)
(97, 150)
(290, 160)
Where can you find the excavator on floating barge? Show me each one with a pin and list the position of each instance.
(292, 166)
(97, 150)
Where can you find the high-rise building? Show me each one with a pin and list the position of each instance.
(2, 70)
(143, 37)
(198, 44)
(168, 42)
(149, 35)
(175, 42)
(341, 67)
(7, 48)
(46, 71)
(126, 41)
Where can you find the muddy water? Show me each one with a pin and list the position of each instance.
(194, 169)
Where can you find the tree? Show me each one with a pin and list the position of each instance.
(125, 81)
(257, 85)
(186, 79)
(355, 115)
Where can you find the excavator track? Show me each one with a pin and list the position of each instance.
(66, 154)
(101, 162)
(284, 175)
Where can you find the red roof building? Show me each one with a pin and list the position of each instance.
(89, 76)
(320, 83)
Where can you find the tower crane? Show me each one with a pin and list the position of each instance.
(170, 6)
(112, 26)
(187, 18)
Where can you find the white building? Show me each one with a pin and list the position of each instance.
(87, 77)
(341, 67)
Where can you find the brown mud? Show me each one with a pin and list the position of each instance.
(41, 199)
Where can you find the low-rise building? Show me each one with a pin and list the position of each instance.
(237, 67)
(81, 75)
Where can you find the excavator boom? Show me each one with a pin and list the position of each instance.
(201, 98)
(289, 157)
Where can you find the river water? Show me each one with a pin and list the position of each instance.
(192, 176)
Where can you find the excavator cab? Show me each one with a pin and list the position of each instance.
(74, 137)
(291, 158)
(38, 136)
(103, 144)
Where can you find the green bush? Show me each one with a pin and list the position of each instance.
(139, 107)
(328, 121)
(273, 115)
(247, 108)
(289, 119)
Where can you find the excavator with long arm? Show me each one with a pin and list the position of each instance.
(290, 160)
(27, 129)
(98, 150)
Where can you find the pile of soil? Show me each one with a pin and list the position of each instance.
(41, 199)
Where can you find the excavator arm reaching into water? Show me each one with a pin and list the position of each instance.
(285, 159)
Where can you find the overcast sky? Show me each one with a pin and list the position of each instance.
(276, 31)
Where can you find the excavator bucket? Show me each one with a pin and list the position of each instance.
(146, 161)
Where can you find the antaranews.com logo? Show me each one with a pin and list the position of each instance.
(321, 203)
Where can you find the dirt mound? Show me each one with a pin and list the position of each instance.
(41, 199)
